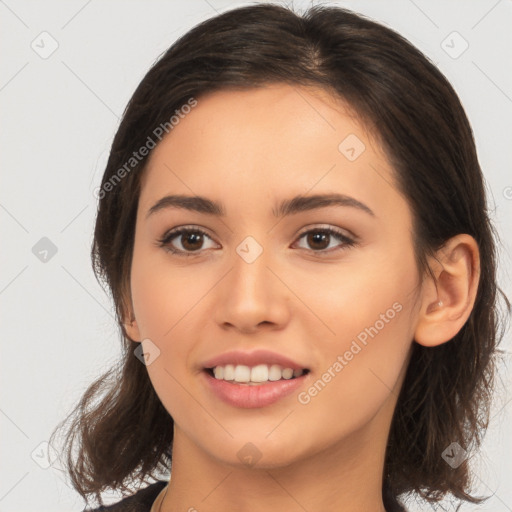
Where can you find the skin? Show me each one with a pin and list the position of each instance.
(249, 150)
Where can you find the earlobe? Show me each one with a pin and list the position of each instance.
(447, 301)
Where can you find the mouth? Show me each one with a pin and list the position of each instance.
(253, 379)
(258, 375)
(250, 387)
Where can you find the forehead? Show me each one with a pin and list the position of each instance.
(274, 138)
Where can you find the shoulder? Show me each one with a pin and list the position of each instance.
(141, 501)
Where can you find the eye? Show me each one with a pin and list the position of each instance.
(191, 240)
(319, 239)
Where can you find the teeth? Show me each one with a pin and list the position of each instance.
(242, 373)
(287, 373)
(229, 372)
(259, 373)
(256, 374)
(275, 372)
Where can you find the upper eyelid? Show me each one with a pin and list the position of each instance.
(341, 231)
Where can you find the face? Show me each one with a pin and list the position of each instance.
(322, 287)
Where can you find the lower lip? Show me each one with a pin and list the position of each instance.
(250, 397)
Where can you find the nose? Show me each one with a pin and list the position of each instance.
(253, 296)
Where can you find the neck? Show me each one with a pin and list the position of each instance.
(347, 476)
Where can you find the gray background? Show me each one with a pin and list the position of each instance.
(59, 114)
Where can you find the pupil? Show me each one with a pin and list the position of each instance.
(319, 237)
(192, 238)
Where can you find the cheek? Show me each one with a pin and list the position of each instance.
(364, 337)
(163, 294)
(164, 299)
(341, 301)
(170, 384)
(355, 381)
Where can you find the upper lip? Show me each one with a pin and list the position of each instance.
(253, 358)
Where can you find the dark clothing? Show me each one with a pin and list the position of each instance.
(141, 501)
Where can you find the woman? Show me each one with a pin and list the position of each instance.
(293, 226)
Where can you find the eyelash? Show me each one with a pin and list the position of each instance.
(166, 239)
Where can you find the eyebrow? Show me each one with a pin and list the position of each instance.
(287, 207)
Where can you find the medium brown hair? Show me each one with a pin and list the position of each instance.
(123, 431)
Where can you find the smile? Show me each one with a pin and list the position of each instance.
(256, 375)
(237, 386)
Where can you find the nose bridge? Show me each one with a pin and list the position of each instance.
(250, 275)
(252, 294)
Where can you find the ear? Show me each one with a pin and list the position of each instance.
(447, 301)
(130, 326)
(132, 330)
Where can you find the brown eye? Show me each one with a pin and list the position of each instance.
(319, 240)
(190, 240)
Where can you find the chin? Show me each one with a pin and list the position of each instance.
(258, 451)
